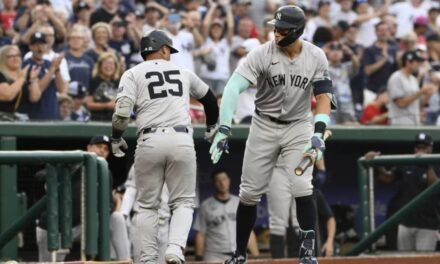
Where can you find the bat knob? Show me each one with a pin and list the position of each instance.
(298, 171)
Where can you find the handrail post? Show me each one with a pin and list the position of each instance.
(52, 208)
(104, 210)
(363, 203)
(66, 206)
(8, 199)
(91, 205)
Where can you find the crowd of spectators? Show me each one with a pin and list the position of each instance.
(62, 59)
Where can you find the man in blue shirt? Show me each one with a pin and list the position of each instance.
(50, 80)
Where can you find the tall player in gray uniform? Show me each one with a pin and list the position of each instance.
(159, 91)
(286, 71)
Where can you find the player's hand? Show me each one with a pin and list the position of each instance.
(118, 145)
(210, 132)
(219, 144)
(318, 142)
(315, 147)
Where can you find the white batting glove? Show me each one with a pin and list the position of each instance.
(118, 145)
(210, 132)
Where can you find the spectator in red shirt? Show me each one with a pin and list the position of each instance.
(7, 17)
(375, 113)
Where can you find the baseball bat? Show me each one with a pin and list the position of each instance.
(310, 156)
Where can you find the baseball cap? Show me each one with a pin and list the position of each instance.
(323, 3)
(99, 139)
(421, 21)
(424, 138)
(82, 5)
(411, 55)
(37, 37)
(77, 90)
(139, 14)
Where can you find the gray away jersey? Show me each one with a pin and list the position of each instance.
(160, 91)
(284, 85)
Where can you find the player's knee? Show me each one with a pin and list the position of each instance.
(277, 230)
(248, 198)
(181, 203)
(117, 218)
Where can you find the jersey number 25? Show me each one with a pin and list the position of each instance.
(161, 93)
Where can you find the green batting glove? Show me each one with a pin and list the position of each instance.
(219, 143)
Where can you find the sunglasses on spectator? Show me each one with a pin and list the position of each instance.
(282, 31)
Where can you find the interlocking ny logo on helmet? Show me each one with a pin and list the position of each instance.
(155, 40)
(289, 17)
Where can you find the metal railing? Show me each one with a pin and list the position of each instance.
(369, 234)
(58, 200)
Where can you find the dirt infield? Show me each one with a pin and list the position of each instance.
(422, 259)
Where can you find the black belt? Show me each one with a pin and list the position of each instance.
(155, 129)
(273, 119)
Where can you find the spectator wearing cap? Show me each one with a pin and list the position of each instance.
(421, 28)
(80, 65)
(50, 54)
(406, 99)
(183, 41)
(78, 92)
(119, 40)
(106, 12)
(242, 9)
(379, 62)
(322, 19)
(156, 16)
(218, 43)
(82, 13)
(406, 12)
(345, 13)
(417, 231)
(50, 80)
(341, 73)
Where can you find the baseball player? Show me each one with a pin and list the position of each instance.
(159, 92)
(128, 204)
(286, 72)
(216, 223)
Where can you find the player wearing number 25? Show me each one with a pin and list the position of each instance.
(159, 92)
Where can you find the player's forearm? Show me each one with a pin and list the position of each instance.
(121, 116)
(253, 245)
(210, 107)
(199, 248)
(234, 87)
(331, 229)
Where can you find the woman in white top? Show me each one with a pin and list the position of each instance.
(216, 49)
